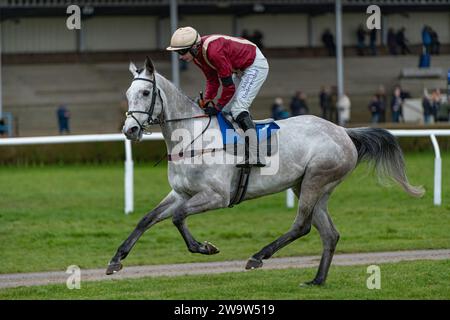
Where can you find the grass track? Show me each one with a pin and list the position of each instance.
(405, 280)
(55, 216)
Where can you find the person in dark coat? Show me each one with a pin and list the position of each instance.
(435, 44)
(402, 41)
(373, 41)
(427, 109)
(278, 110)
(374, 108)
(298, 104)
(381, 95)
(328, 41)
(361, 40)
(397, 105)
(323, 102)
(63, 116)
(392, 42)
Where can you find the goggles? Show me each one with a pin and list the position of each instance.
(182, 52)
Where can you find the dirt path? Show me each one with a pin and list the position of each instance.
(44, 278)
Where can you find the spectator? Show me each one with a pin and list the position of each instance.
(436, 104)
(373, 41)
(361, 40)
(402, 41)
(258, 39)
(435, 44)
(298, 104)
(3, 130)
(328, 41)
(332, 102)
(392, 42)
(426, 39)
(444, 111)
(324, 102)
(63, 119)
(397, 105)
(344, 105)
(427, 109)
(278, 110)
(246, 35)
(382, 98)
(374, 108)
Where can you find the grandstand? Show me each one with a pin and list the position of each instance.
(45, 64)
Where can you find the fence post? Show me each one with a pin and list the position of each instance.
(290, 198)
(129, 207)
(437, 171)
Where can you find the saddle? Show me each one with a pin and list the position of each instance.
(231, 138)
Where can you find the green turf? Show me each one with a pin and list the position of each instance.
(406, 280)
(55, 216)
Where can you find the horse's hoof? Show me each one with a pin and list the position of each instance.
(253, 263)
(311, 283)
(210, 248)
(113, 268)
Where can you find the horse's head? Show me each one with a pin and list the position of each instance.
(144, 102)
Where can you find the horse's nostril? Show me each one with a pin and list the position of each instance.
(133, 130)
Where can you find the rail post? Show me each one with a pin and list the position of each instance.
(129, 207)
(437, 172)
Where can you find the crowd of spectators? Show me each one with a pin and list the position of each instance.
(338, 110)
(297, 107)
(435, 107)
(430, 40)
(396, 42)
(379, 102)
(332, 109)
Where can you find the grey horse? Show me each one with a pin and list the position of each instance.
(315, 155)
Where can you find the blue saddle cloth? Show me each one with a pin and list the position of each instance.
(230, 136)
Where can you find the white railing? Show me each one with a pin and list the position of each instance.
(129, 194)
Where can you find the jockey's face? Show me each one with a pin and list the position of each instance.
(187, 57)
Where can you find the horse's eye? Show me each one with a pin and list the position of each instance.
(146, 93)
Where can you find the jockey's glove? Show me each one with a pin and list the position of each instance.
(211, 111)
(203, 103)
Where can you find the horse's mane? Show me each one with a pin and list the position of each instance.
(177, 92)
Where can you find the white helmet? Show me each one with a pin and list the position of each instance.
(183, 38)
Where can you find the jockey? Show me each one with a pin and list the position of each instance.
(238, 65)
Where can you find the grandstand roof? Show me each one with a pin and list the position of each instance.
(19, 8)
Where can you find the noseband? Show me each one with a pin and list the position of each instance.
(150, 121)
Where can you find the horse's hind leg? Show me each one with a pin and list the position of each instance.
(312, 189)
(161, 212)
(330, 236)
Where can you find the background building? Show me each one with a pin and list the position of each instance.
(46, 64)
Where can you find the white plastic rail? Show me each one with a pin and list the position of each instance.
(129, 207)
(437, 161)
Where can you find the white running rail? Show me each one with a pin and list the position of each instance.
(129, 204)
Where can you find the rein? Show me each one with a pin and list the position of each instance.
(150, 121)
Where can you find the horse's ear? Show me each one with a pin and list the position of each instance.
(133, 69)
(149, 65)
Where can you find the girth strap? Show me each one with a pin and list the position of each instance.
(244, 175)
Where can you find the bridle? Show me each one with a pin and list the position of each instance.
(160, 120)
(150, 121)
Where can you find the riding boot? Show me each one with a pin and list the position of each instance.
(252, 157)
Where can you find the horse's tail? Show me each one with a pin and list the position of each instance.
(381, 149)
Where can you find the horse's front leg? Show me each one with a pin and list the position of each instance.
(200, 202)
(164, 210)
